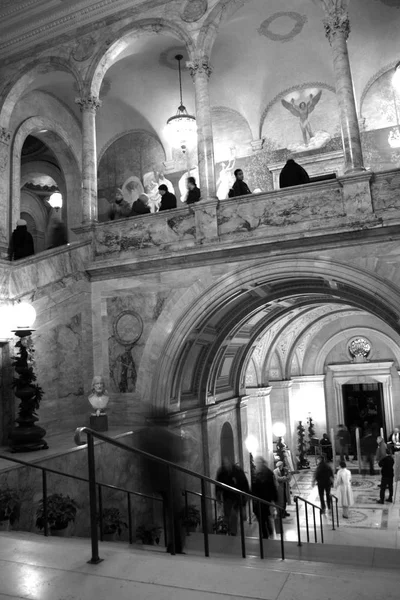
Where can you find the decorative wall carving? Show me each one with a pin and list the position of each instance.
(337, 23)
(84, 48)
(299, 22)
(193, 10)
(5, 135)
(91, 103)
(199, 66)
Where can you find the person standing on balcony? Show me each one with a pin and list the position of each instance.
(387, 474)
(239, 188)
(168, 200)
(140, 206)
(323, 477)
(193, 194)
(21, 244)
(264, 487)
(343, 489)
(120, 208)
(293, 174)
(234, 476)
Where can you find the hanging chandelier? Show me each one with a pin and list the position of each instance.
(182, 126)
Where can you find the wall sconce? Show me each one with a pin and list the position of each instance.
(56, 201)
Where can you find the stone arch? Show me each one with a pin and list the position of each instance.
(37, 212)
(222, 12)
(17, 86)
(373, 79)
(116, 137)
(58, 140)
(187, 313)
(109, 51)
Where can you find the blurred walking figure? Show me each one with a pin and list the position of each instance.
(234, 476)
(58, 235)
(343, 438)
(368, 450)
(264, 487)
(323, 477)
(343, 489)
(21, 244)
(282, 477)
(387, 474)
(381, 450)
(326, 447)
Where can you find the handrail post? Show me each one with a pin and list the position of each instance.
(315, 525)
(171, 513)
(250, 511)
(282, 537)
(306, 510)
(130, 519)
(93, 501)
(44, 488)
(186, 510)
(337, 512)
(298, 521)
(204, 518)
(165, 522)
(333, 514)
(242, 538)
(322, 527)
(100, 491)
(215, 510)
(260, 535)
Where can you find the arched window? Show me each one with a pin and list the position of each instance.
(227, 443)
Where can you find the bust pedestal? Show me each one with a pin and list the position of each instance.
(99, 423)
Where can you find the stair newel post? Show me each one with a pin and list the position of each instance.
(260, 535)
(322, 527)
(315, 524)
(130, 518)
(306, 511)
(186, 510)
(171, 513)
(204, 519)
(94, 534)
(333, 515)
(165, 522)
(242, 537)
(44, 488)
(298, 521)
(100, 512)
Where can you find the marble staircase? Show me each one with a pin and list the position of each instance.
(57, 569)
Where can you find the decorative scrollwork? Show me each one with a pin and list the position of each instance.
(337, 23)
(199, 66)
(359, 348)
(90, 103)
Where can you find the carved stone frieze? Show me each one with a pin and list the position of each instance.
(5, 135)
(90, 103)
(199, 66)
(337, 23)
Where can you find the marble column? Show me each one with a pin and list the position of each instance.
(259, 420)
(200, 71)
(337, 29)
(5, 138)
(89, 106)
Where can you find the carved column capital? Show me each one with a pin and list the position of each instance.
(5, 136)
(199, 66)
(337, 23)
(89, 103)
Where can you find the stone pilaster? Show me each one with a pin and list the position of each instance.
(5, 139)
(337, 29)
(259, 420)
(89, 106)
(200, 71)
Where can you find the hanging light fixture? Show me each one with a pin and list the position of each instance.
(56, 200)
(182, 126)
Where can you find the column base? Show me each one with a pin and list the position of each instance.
(355, 170)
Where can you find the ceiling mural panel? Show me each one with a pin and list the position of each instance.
(283, 26)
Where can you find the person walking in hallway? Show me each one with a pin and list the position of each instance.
(387, 474)
(264, 487)
(343, 489)
(234, 476)
(343, 438)
(323, 477)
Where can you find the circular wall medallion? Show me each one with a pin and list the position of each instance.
(266, 30)
(128, 327)
(84, 48)
(193, 10)
(359, 347)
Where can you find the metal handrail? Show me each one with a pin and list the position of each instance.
(213, 500)
(99, 485)
(333, 497)
(91, 434)
(314, 506)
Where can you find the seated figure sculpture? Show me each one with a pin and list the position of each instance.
(98, 400)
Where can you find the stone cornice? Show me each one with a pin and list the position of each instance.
(67, 21)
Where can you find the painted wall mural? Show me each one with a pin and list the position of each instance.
(282, 26)
(231, 132)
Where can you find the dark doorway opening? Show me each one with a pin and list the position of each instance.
(227, 443)
(363, 407)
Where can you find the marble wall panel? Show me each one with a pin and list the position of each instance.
(300, 209)
(149, 234)
(385, 189)
(226, 412)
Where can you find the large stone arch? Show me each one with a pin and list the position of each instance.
(185, 315)
(222, 12)
(57, 138)
(108, 54)
(15, 88)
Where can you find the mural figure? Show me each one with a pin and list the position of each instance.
(131, 189)
(225, 179)
(99, 396)
(126, 371)
(303, 111)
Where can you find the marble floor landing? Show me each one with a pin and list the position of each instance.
(35, 568)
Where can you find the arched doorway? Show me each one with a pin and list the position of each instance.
(226, 442)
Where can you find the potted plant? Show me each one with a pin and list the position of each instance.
(190, 516)
(61, 511)
(220, 526)
(111, 523)
(10, 505)
(149, 534)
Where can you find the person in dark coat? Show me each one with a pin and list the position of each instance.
(120, 208)
(140, 206)
(58, 236)
(293, 174)
(168, 200)
(369, 446)
(324, 477)
(232, 475)
(343, 438)
(326, 447)
(193, 194)
(264, 487)
(21, 244)
(387, 474)
(239, 188)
